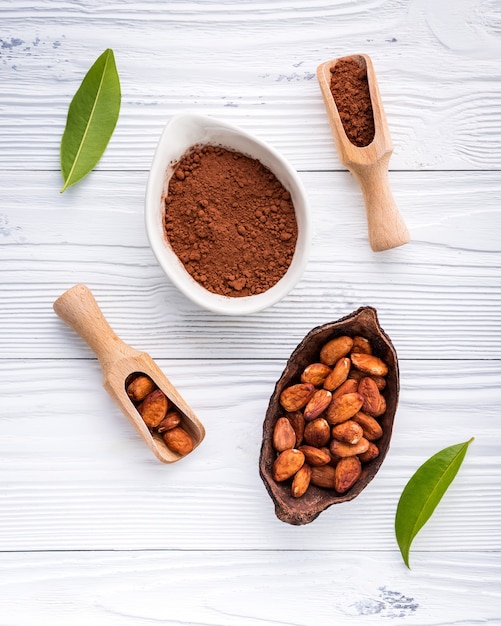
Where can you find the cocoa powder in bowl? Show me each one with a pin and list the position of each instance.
(230, 221)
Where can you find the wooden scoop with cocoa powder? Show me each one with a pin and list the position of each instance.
(124, 369)
(364, 145)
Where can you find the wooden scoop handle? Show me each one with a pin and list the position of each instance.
(79, 309)
(386, 227)
(369, 164)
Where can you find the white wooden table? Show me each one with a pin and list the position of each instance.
(92, 528)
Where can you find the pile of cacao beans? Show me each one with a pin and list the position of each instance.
(159, 414)
(331, 423)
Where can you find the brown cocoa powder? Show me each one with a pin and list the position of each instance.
(230, 221)
(350, 89)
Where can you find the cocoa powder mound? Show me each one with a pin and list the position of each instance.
(350, 89)
(230, 221)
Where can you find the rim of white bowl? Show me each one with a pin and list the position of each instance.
(183, 131)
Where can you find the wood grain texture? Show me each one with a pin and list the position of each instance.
(92, 526)
(86, 481)
(250, 588)
(438, 82)
(437, 297)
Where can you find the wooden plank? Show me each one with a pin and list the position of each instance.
(75, 476)
(437, 297)
(248, 588)
(92, 526)
(254, 64)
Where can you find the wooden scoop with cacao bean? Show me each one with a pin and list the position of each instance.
(136, 383)
(367, 161)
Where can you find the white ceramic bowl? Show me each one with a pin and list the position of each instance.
(181, 133)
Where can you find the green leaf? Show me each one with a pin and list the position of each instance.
(424, 491)
(92, 117)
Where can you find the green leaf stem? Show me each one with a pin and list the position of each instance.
(424, 491)
(92, 117)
